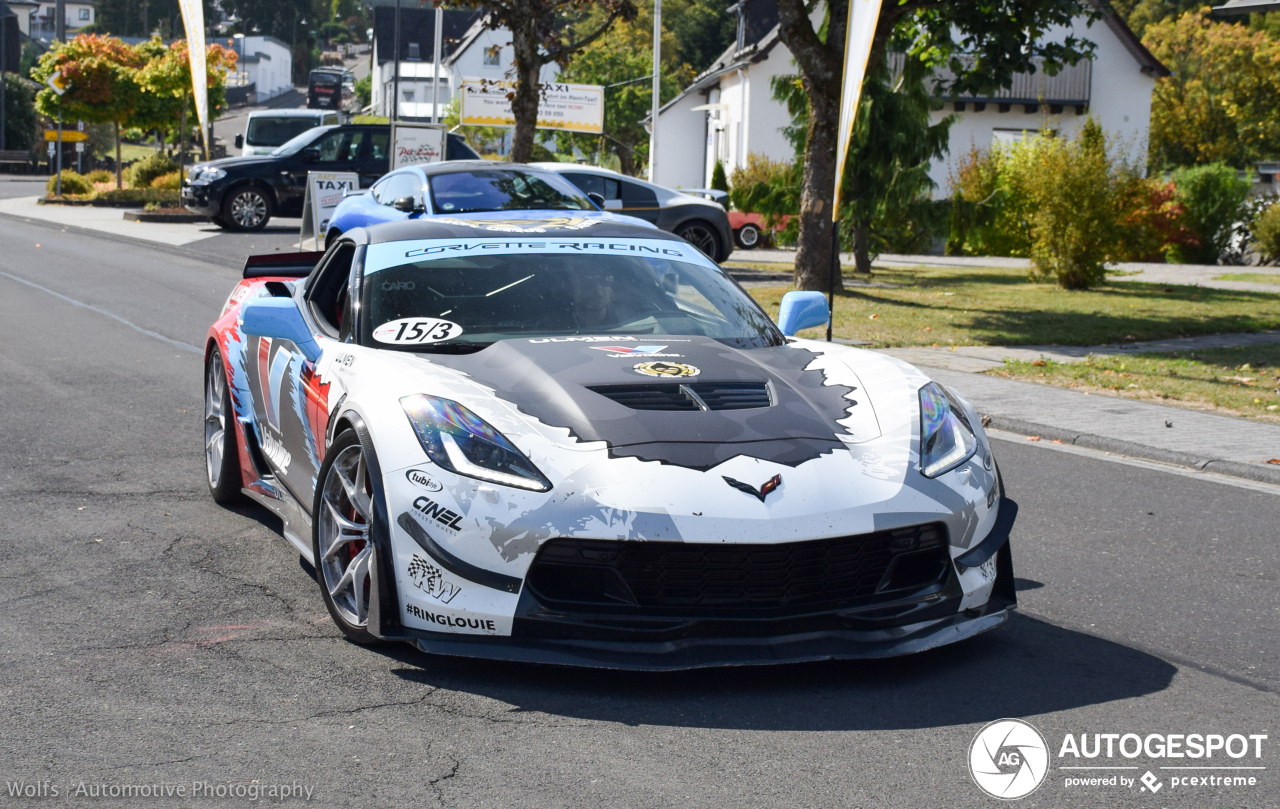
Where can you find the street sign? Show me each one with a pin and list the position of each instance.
(568, 107)
(68, 136)
(80, 146)
(53, 147)
(416, 144)
(57, 82)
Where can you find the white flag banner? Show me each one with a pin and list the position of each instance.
(193, 21)
(863, 16)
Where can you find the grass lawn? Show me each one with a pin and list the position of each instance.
(991, 306)
(1251, 277)
(1240, 381)
(133, 151)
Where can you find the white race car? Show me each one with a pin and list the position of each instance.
(579, 441)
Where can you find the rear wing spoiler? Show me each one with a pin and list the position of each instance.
(278, 265)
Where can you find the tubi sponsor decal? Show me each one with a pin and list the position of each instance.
(419, 478)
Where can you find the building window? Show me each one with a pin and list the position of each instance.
(84, 15)
(492, 55)
(415, 51)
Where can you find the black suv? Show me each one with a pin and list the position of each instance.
(243, 193)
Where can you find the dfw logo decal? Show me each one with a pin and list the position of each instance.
(634, 351)
(430, 579)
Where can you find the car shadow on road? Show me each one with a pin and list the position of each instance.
(1023, 668)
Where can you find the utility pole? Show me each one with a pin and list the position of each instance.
(395, 75)
(60, 24)
(435, 79)
(4, 60)
(657, 83)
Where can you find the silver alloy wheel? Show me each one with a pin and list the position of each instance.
(248, 208)
(701, 237)
(215, 420)
(749, 236)
(346, 554)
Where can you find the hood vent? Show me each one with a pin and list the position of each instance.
(696, 396)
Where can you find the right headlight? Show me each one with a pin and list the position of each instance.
(946, 439)
(462, 442)
(205, 174)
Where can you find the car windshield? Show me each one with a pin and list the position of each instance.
(325, 79)
(502, 189)
(300, 142)
(266, 130)
(460, 295)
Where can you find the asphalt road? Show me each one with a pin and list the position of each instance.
(149, 635)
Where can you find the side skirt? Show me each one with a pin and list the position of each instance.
(297, 522)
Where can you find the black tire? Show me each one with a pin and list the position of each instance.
(221, 451)
(220, 222)
(703, 236)
(748, 237)
(337, 519)
(247, 208)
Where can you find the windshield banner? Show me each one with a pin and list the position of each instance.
(396, 254)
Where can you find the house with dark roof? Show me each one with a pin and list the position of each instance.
(416, 57)
(730, 112)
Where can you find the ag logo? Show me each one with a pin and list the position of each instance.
(1008, 759)
(670, 369)
(420, 478)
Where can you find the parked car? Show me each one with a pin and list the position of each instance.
(464, 187)
(331, 88)
(701, 222)
(592, 447)
(243, 193)
(268, 130)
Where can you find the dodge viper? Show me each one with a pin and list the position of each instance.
(578, 441)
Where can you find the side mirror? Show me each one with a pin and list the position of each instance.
(407, 205)
(311, 155)
(802, 310)
(598, 199)
(279, 319)
(239, 141)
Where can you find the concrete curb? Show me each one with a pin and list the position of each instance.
(1248, 471)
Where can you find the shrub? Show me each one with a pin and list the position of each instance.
(1266, 233)
(988, 216)
(164, 197)
(764, 186)
(144, 171)
(100, 176)
(719, 181)
(1213, 197)
(168, 182)
(72, 183)
(1153, 220)
(133, 135)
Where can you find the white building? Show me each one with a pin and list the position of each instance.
(730, 112)
(417, 43)
(487, 54)
(76, 13)
(266, 62)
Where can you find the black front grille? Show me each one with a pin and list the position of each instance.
(699, 578)
(696, 396)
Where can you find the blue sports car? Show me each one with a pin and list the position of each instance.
(472, 188)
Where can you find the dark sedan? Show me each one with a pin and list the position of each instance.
(243, 193)
(698, 221)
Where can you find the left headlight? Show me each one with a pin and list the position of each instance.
(460, 441)
(205, 175)
(946, 438)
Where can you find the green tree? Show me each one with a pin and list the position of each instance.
(165, 82)
(1219, 104)
(701, 30)
(1213, 197)
(19, 113)
(719, 181)
(1140, 14)
(100, 73)
(542, 33)
(983, 43)
(619, 59)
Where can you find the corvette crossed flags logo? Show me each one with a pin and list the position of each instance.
(760, 494)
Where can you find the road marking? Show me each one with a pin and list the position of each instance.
(112, 315)
(1099, 455)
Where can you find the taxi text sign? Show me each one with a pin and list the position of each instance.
(569, 107)
(325, 189)
(416, 144)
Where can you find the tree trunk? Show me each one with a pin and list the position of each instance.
(119, 181)
(524, 107)
(626, 160)
(813, 247)
(861, 248)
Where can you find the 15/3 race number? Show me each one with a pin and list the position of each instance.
(416, 331)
